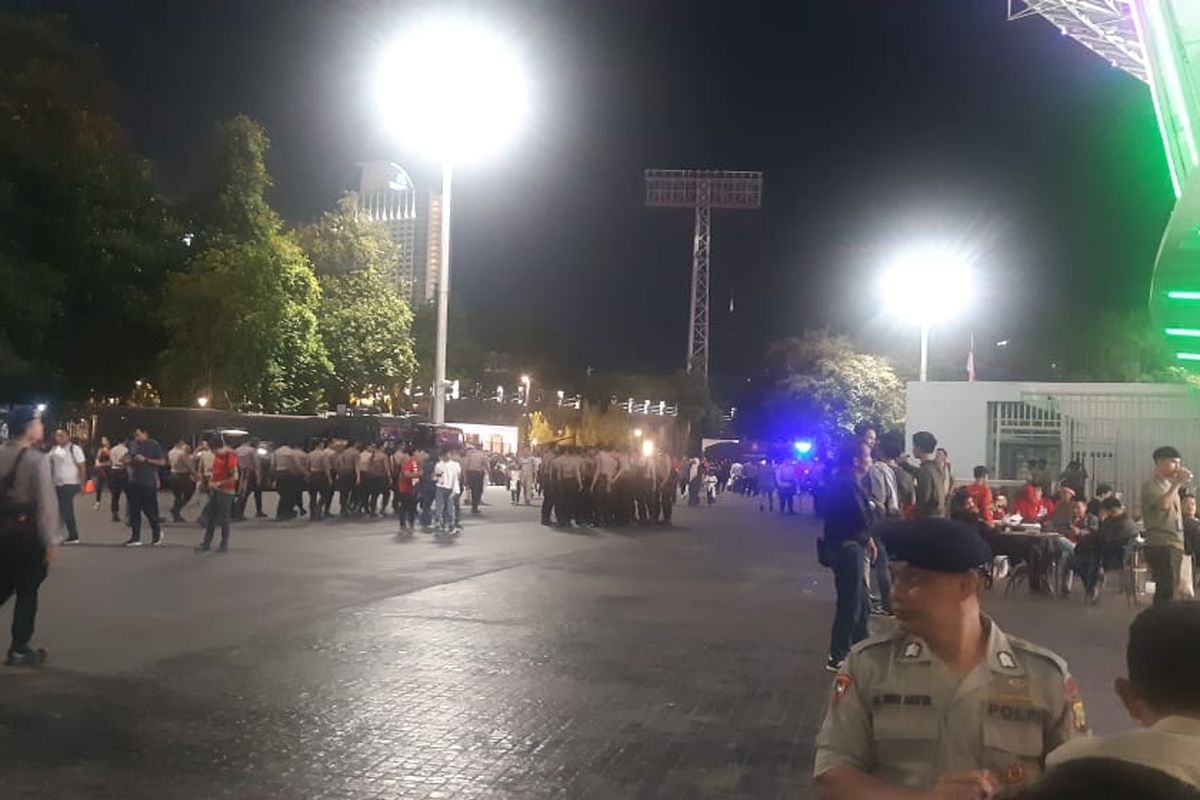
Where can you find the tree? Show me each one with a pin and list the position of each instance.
(818, 384)
(365, 322)
(244, 329)
(243, 316)
(85, 243)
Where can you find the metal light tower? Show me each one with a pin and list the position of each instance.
(701, 190)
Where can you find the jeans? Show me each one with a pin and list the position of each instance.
(143, 500)
(66, 507)
(883, 576)
(102, 478)
(853, 602)
(787, 498)
(22, 570)
(475, 484)
(428, 499)
(219, 506)
(1066, 558)
(444, 511)
(1164, 562)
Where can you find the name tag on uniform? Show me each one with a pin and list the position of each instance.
(888, 699)
(1016, 713)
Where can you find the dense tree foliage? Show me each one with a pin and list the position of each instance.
(817, 384)
(243, 315)
(85, 244)
(365, 322)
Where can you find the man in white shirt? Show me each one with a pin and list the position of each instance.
(1161, 693)
(68, 467)
(447, 477)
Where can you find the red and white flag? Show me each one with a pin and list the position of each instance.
(971, 360)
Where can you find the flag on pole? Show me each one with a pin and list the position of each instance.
(971, 360)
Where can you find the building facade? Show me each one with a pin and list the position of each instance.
(412, 217)
(1111, 428)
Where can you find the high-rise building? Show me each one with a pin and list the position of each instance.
(412, 217)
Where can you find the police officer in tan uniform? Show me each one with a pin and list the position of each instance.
(947, 705)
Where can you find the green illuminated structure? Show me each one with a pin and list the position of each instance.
(1158, 42)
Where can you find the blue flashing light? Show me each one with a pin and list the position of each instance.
(803, 447)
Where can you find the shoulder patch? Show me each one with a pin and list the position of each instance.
(1042, 652)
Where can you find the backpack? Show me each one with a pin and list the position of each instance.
(15, 518)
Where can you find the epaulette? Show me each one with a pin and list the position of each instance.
(1038, 650)
(878, 639)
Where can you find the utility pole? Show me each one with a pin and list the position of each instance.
(702, 191)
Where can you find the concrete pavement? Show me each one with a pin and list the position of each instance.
(330, 660)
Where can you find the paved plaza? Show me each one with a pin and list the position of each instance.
(332, 661)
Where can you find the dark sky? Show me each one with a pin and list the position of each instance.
(876, 122)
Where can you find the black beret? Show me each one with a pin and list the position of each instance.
(941, 545)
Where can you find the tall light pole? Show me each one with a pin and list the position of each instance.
(927, 282)
(454, 91)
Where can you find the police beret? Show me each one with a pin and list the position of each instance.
(941, 545)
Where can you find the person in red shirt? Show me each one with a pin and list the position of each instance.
(407, 477)
(223, 489)
(981, 493)
(1031, 505)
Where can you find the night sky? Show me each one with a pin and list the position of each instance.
(876, 122)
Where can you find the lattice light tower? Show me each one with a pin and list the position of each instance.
(702, 191)
(1157, 42)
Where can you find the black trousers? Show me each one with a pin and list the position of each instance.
(22, 570)
(249, 485)
(345, 485)
(143, 500)
(549, 500)
(1164, 565)
(183, 487)
(118, 485)
(320, 494)
(666, 501)
(475, 484)
(408, 509)
(291, 490)
(373, 487)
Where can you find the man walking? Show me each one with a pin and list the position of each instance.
(145, 457)
(406, 492)
(68, 467)
(448, 478)
(528, 473)
(475, 465)
(288, 472)
(118, 478)
(320, 481)
(222, 491)
(28, 528)
(250, 479)
(183, 477)
(1163, 520)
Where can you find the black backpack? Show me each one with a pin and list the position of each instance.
(15, 518)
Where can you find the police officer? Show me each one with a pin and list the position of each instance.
(947, 705)
(320, 480)
(28, 527)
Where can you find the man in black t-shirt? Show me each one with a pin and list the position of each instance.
(144, 459)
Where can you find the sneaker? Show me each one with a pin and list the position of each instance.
(834, 665)
(133, 543)
(25, 657)
(880, 611)
(71, 540)
(223, 547)
(156, 541)
(201, 548)
(97, 506)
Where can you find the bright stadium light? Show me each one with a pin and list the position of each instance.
(455, 92)
(927, 282)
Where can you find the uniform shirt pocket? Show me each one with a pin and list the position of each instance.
(1013, 750)
(906, 745)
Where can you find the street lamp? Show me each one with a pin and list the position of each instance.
(202, 402)
(927, 281)
(453, 91)
(527, 382)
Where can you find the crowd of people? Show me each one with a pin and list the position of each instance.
(946, 703)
